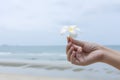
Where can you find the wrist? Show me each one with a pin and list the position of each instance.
(107, 54)
(111, 57)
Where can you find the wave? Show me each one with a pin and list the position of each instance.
(34, 54)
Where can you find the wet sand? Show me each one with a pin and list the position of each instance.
(45, 70)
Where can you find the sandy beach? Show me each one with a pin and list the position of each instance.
(57, 70)
(4, 76)
(18, 70)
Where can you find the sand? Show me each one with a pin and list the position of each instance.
(4, 76)
(42, 70)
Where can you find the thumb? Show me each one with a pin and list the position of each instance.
(76, 42)
(68, 39)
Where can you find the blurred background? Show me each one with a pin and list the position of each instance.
(38, 22)
(30, 36)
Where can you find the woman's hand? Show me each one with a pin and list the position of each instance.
(83, 53)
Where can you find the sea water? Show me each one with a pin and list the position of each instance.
(38, 53)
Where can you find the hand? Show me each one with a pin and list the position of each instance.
(83, 53)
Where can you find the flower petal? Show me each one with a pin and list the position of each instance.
(73, 26)
(64, 30)
(73, 34)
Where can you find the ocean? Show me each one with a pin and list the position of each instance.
(47, 60)
(44, 53)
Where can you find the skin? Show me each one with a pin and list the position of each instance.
(85, 53)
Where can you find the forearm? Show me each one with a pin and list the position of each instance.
(112, 57)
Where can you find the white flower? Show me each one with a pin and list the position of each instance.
(71, 30)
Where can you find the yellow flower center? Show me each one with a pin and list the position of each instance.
(71, 29)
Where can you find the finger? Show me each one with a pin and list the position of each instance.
(68, 46)
(68, 39)
(78, 55)
(72, 57)
(79, 43)
(69, 53)
(78, 48)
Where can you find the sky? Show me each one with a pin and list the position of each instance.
(38, 22)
